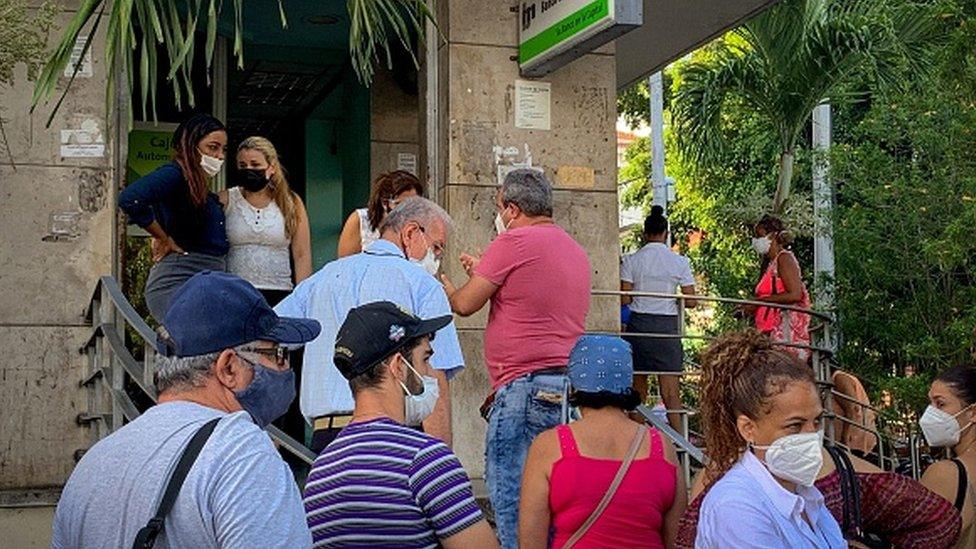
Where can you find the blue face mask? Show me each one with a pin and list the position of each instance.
(269, 395)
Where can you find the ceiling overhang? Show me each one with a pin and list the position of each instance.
(673, 28)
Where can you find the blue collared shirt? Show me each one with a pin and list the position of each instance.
(381, 273)
(748, 508)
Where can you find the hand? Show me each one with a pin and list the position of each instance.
(470, 261)
(162, 247)
(449, 287)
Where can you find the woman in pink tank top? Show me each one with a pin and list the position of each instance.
(781, 283)
(569, 469)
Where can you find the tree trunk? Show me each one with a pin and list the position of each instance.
(783, 184)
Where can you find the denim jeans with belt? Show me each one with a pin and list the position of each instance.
(522, 409)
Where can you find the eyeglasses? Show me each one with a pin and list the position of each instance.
(277, 353)
(438, 248)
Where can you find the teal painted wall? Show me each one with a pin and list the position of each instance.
(337, 153)
(323, 190)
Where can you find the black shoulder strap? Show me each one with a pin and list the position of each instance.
(850, 491)
(146, 537)
(963, 484)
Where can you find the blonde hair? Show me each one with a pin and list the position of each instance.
(282, 194)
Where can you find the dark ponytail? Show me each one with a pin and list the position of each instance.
(656, 224)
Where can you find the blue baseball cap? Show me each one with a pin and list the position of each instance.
(214, 311)
(600, 363)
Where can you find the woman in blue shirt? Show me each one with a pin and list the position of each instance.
(761, 413)
(175, 205)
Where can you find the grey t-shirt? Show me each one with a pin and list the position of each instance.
(239, 492)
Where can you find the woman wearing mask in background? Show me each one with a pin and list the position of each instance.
(175, 205)
(389, 189)
(266, 223)
(948, 422)
(569, 469)
(781, 283)
(761, 416)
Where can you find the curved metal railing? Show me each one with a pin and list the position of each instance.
(822, 359)
(111, 368)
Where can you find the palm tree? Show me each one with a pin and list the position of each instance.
(142, 24)
(789, 59)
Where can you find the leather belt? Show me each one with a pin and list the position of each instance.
(331, 422)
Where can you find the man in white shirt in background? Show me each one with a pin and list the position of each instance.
(657, 268)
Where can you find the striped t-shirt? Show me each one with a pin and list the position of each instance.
(381, 483)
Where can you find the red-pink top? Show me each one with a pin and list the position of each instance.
(539, 309)
(635, 515)
(781, 325)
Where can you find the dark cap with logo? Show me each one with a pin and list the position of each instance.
(214, 311)
(375, 331)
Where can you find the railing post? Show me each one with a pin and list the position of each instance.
(149, 367)
(106, 362)
(94, 390)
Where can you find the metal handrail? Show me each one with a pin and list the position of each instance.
(717, 299)
(822, 358)
(110, 361)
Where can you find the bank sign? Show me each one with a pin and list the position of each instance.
(555, 32)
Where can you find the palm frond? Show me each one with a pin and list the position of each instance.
(136, 27)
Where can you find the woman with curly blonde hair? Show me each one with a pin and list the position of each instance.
(266, 223)
(761, 414)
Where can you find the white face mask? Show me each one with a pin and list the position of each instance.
(941, 428)
(795, 458)
(418, 407)
(761, 244)
(500, 225)
(430, 263)
(211, 164)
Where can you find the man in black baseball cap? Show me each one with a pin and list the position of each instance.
(378, 460)
(222, 370)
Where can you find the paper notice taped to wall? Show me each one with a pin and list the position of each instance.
(532, 105)
(85, 70)
(84, 142)
(407, 162)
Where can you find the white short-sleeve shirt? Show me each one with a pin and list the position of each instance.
(656, 268)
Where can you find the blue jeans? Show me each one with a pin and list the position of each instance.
(522, 409)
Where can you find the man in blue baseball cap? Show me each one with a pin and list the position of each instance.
(222, 376)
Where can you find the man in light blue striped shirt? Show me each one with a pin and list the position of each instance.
(391, 269)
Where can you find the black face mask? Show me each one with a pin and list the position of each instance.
(252, 180)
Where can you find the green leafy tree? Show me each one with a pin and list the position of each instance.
(790, 58)
(136, 26)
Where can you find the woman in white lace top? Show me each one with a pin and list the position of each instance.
(266, 223)
(389, 189)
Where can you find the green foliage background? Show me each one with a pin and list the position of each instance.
(904, 166)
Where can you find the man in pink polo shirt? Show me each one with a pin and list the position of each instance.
(538, 280)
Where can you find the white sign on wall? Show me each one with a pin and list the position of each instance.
(85, 70)
(532, 105)
(554, 32)
(407, 162)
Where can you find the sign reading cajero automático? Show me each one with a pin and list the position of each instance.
(554, 32)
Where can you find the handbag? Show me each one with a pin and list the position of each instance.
(621, 472)
(147, 535)
(850, 491)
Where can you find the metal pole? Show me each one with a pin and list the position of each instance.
(432, 92)
(823, 205)
(655, 85)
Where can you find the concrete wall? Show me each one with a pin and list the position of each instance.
(55, 240)
(394, 123)
(477, 80)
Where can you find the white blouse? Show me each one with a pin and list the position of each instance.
(367, 234)
(260, 249)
